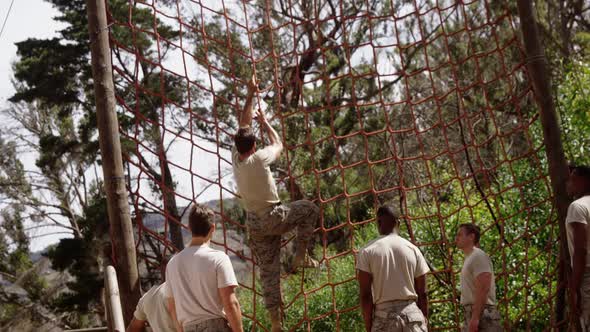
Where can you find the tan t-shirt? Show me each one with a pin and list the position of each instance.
(394, 263)
(153, 307)
(475, 263)
(578, 211)
(194, 276)
(256, 186)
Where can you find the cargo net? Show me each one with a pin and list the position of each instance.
(425, 106)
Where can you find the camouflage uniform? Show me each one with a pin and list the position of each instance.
(265, 231)
(210, 325)
(585, 298)
(398, 316)
(488, 322)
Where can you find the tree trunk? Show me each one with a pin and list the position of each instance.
(173, 219)
(558, 170)
(121, 228)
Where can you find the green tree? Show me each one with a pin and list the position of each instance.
(428, 113)
(573, 103)
(376, 104)
(53, 118)
(564, 26)
(21, 284)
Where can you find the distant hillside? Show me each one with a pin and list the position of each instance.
(34, 316)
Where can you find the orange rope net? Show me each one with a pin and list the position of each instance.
(422, 105)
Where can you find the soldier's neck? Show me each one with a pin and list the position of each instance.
(199, 240)
(468, 250)
(245, 156)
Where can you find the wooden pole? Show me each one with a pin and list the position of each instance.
(558, 169)
(121, 228)
(115, 312)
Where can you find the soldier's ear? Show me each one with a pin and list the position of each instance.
(212, 230)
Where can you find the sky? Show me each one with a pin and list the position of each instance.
(34, 19)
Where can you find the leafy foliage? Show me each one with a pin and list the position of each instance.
(573, 102)
(448, 135)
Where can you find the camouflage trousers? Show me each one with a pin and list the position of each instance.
(585, 298)
(398, 316)
(210, 325)
(265, 231)
(490, 320)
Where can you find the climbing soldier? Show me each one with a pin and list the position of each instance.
(267, 217)
(392, 279)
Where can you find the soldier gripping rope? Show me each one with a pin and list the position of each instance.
(267, 218)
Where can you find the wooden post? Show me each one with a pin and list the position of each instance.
(558, 169)
(112, 162)
(114, 313)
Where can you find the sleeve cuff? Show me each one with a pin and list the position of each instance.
(234, 284)
(139, 316)
(363, 268)
(580, 221)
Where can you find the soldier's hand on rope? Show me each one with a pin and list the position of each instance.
(261, 118)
